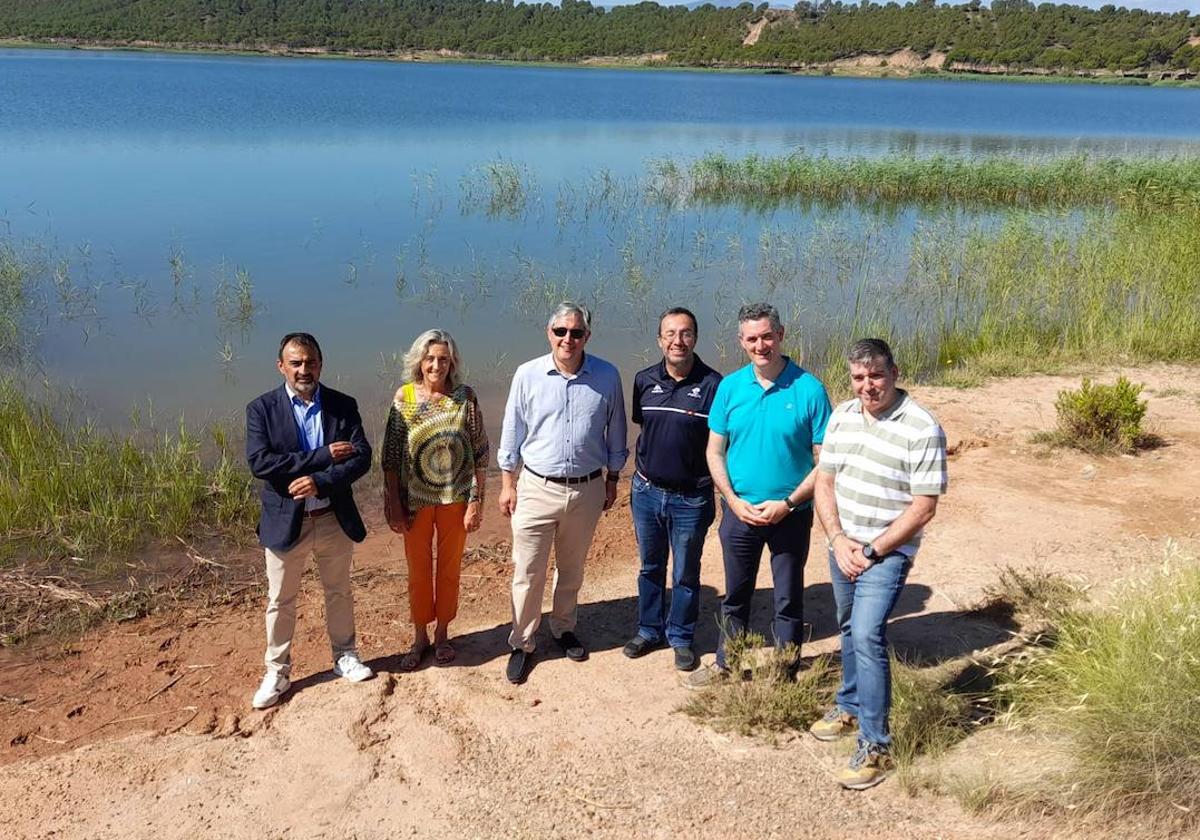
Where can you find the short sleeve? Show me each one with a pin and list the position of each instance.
(831, 457)
(718, 415)
(819, 411)
(927, 461)
(394, 441)
(476, 431)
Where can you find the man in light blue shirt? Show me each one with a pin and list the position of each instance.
(564, 429)
(766, 426)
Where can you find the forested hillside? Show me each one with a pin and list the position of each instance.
(1012, 33)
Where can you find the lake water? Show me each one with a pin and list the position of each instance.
(352, 199)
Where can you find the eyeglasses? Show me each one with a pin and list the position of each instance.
(576, 332)
(682, 335)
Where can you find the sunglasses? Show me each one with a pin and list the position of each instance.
(576, 332)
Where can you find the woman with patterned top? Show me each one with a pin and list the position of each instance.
(435, 453)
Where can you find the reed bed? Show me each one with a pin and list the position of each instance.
(758, 181)
(71, 494)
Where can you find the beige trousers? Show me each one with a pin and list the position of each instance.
(549, 515)
(321, 538)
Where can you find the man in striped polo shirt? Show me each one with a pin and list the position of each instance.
(881, 472)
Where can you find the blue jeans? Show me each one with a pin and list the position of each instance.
(664, 519)
(863, 607)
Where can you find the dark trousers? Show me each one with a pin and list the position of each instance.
(742, 547)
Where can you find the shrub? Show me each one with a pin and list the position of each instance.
(1120, 683)
(1098, 418)
(764, 698)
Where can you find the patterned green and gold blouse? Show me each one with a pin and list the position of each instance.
(435, 446)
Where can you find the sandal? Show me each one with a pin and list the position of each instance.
(444, 653)
(411, 660)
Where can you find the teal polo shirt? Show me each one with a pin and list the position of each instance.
(769, 434)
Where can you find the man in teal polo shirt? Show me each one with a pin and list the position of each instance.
(765, 430)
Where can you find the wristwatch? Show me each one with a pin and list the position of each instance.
(870, 553)
(787, 500)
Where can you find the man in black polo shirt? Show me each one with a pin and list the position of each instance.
(672, 499)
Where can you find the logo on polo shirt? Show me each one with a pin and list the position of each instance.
(657, 389)
(695, 392)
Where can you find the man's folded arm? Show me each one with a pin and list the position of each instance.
(269, 465)
(344, 473)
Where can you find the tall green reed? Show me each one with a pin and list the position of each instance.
(70, 492)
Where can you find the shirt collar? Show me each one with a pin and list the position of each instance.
(550, 367)
(791, 371)
(293, 397)
(894, 413)
(697, 373)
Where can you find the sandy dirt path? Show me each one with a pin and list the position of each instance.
(96, 747)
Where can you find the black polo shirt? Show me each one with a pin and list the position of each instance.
(674, 420)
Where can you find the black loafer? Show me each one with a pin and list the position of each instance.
(685, 659)
(518, 666)
(639, 646)
(572, 647)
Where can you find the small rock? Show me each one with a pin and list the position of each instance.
(536, 701)
(1088, 472)
(229, 726)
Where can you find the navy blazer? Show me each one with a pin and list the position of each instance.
(275, 455)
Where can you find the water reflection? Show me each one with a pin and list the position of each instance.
(188, 210)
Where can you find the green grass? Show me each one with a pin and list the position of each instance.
(1121, 684)
(927, 719)
(1031, 295)
(71, 494)
(19, 275)
(758, 181)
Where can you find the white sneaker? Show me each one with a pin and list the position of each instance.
(352, 668)
(273, 686)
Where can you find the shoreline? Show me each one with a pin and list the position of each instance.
(653, 62)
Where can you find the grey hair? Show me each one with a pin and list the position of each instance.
(867, 350)
(416, 355)
(570, 307)
(758, 311)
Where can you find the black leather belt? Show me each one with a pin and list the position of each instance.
(677, 488)
(583, 479)
(313, 514)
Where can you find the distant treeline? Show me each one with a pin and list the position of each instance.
(1014, 34)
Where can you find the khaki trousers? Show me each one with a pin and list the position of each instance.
(435, 595)
(321, 538)
(562, 516)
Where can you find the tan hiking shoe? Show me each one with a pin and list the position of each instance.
(869, 766)
(836, 724)
(701, 678)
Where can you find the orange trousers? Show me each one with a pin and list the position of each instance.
(430, 599)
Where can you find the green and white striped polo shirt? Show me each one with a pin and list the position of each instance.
(880, 464)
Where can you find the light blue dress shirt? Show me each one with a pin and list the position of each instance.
(312, 432)
(561, 426)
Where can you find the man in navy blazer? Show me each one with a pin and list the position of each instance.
(306, 442)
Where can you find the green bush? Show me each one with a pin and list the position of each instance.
(1097, 418)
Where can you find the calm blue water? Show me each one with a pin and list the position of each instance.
(350, 194)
